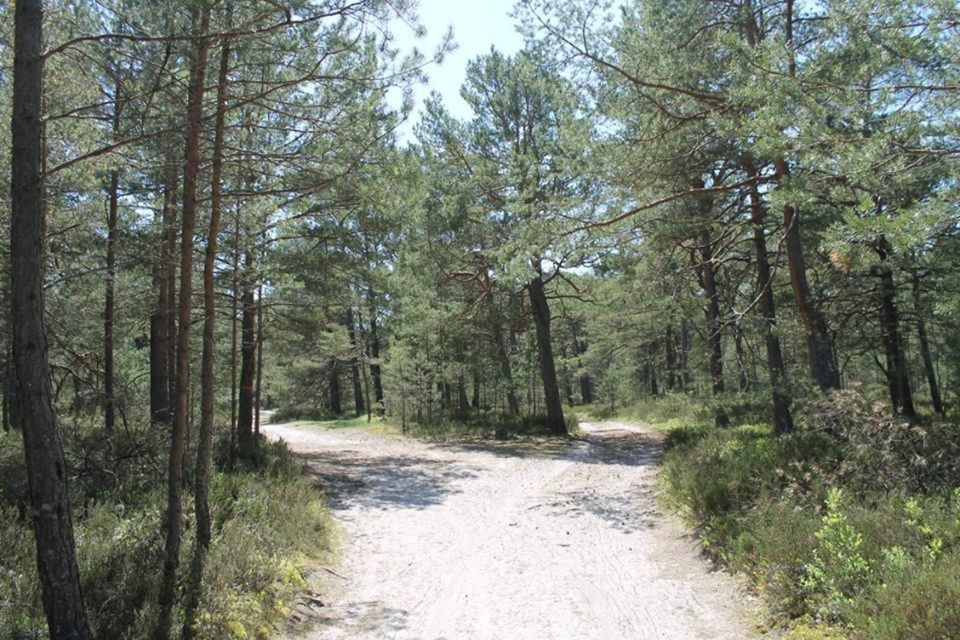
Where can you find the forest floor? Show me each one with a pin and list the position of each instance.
(545, 538)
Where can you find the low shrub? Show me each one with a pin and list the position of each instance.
(270, 524)
(839, 524)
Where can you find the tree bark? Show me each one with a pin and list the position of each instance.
(928, 368)
(191, 168)
(506, 371)
(548, 370)
(708, 276)
(823, 363)
(258, 389)
(160, 336)
(780, 399)
(46, 467)
(109, 391)
(336, 395)
(246, 442)
(670, 349)
(354, 364)
(207, 373)
(898, 380)
(463, 403)
(235, 308)
(686, 378)
(375, 370)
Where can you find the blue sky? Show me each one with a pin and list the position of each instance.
(477, 26)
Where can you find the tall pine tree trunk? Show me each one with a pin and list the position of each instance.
(160, 335)
(548, 370)
(207, 379)
(246, 441)
(258, 389)
(43, 450)
(898, 380)
(191, 167)
(506, 371)
(354, 364)
(375, 370)
(780, 399)
(109, 390)
(924, 341)
(708, 277)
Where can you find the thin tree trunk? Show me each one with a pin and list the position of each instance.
(928, 367)
(901, 396)
(548, 371)
(670, 352)
(506, 371)
(686, 378)
(258, 390)
(233, 333)
(43, 450)
(336, 397)
(375, 369)
(191, 167)
(109, 391)
(708, 276)
(780, 399)
(203, 529)
(246, 442)
(463, 403)
(207, 373)
(160, 337)
(354, 364)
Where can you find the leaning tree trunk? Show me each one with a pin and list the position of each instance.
(928, 368)
(548, 370)
(823, 362)
(780, 399)
(46, 467)
(191, 168)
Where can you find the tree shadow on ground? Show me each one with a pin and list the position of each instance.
(625, 513)
(353, 479)
(605, 447)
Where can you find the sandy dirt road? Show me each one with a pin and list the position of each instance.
(552, 539)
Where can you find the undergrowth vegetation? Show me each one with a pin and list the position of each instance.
(270, 526)
(849, 526)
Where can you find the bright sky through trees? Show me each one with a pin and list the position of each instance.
(476, 27)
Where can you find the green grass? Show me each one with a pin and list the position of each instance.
(827, 522)
(271, 526)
